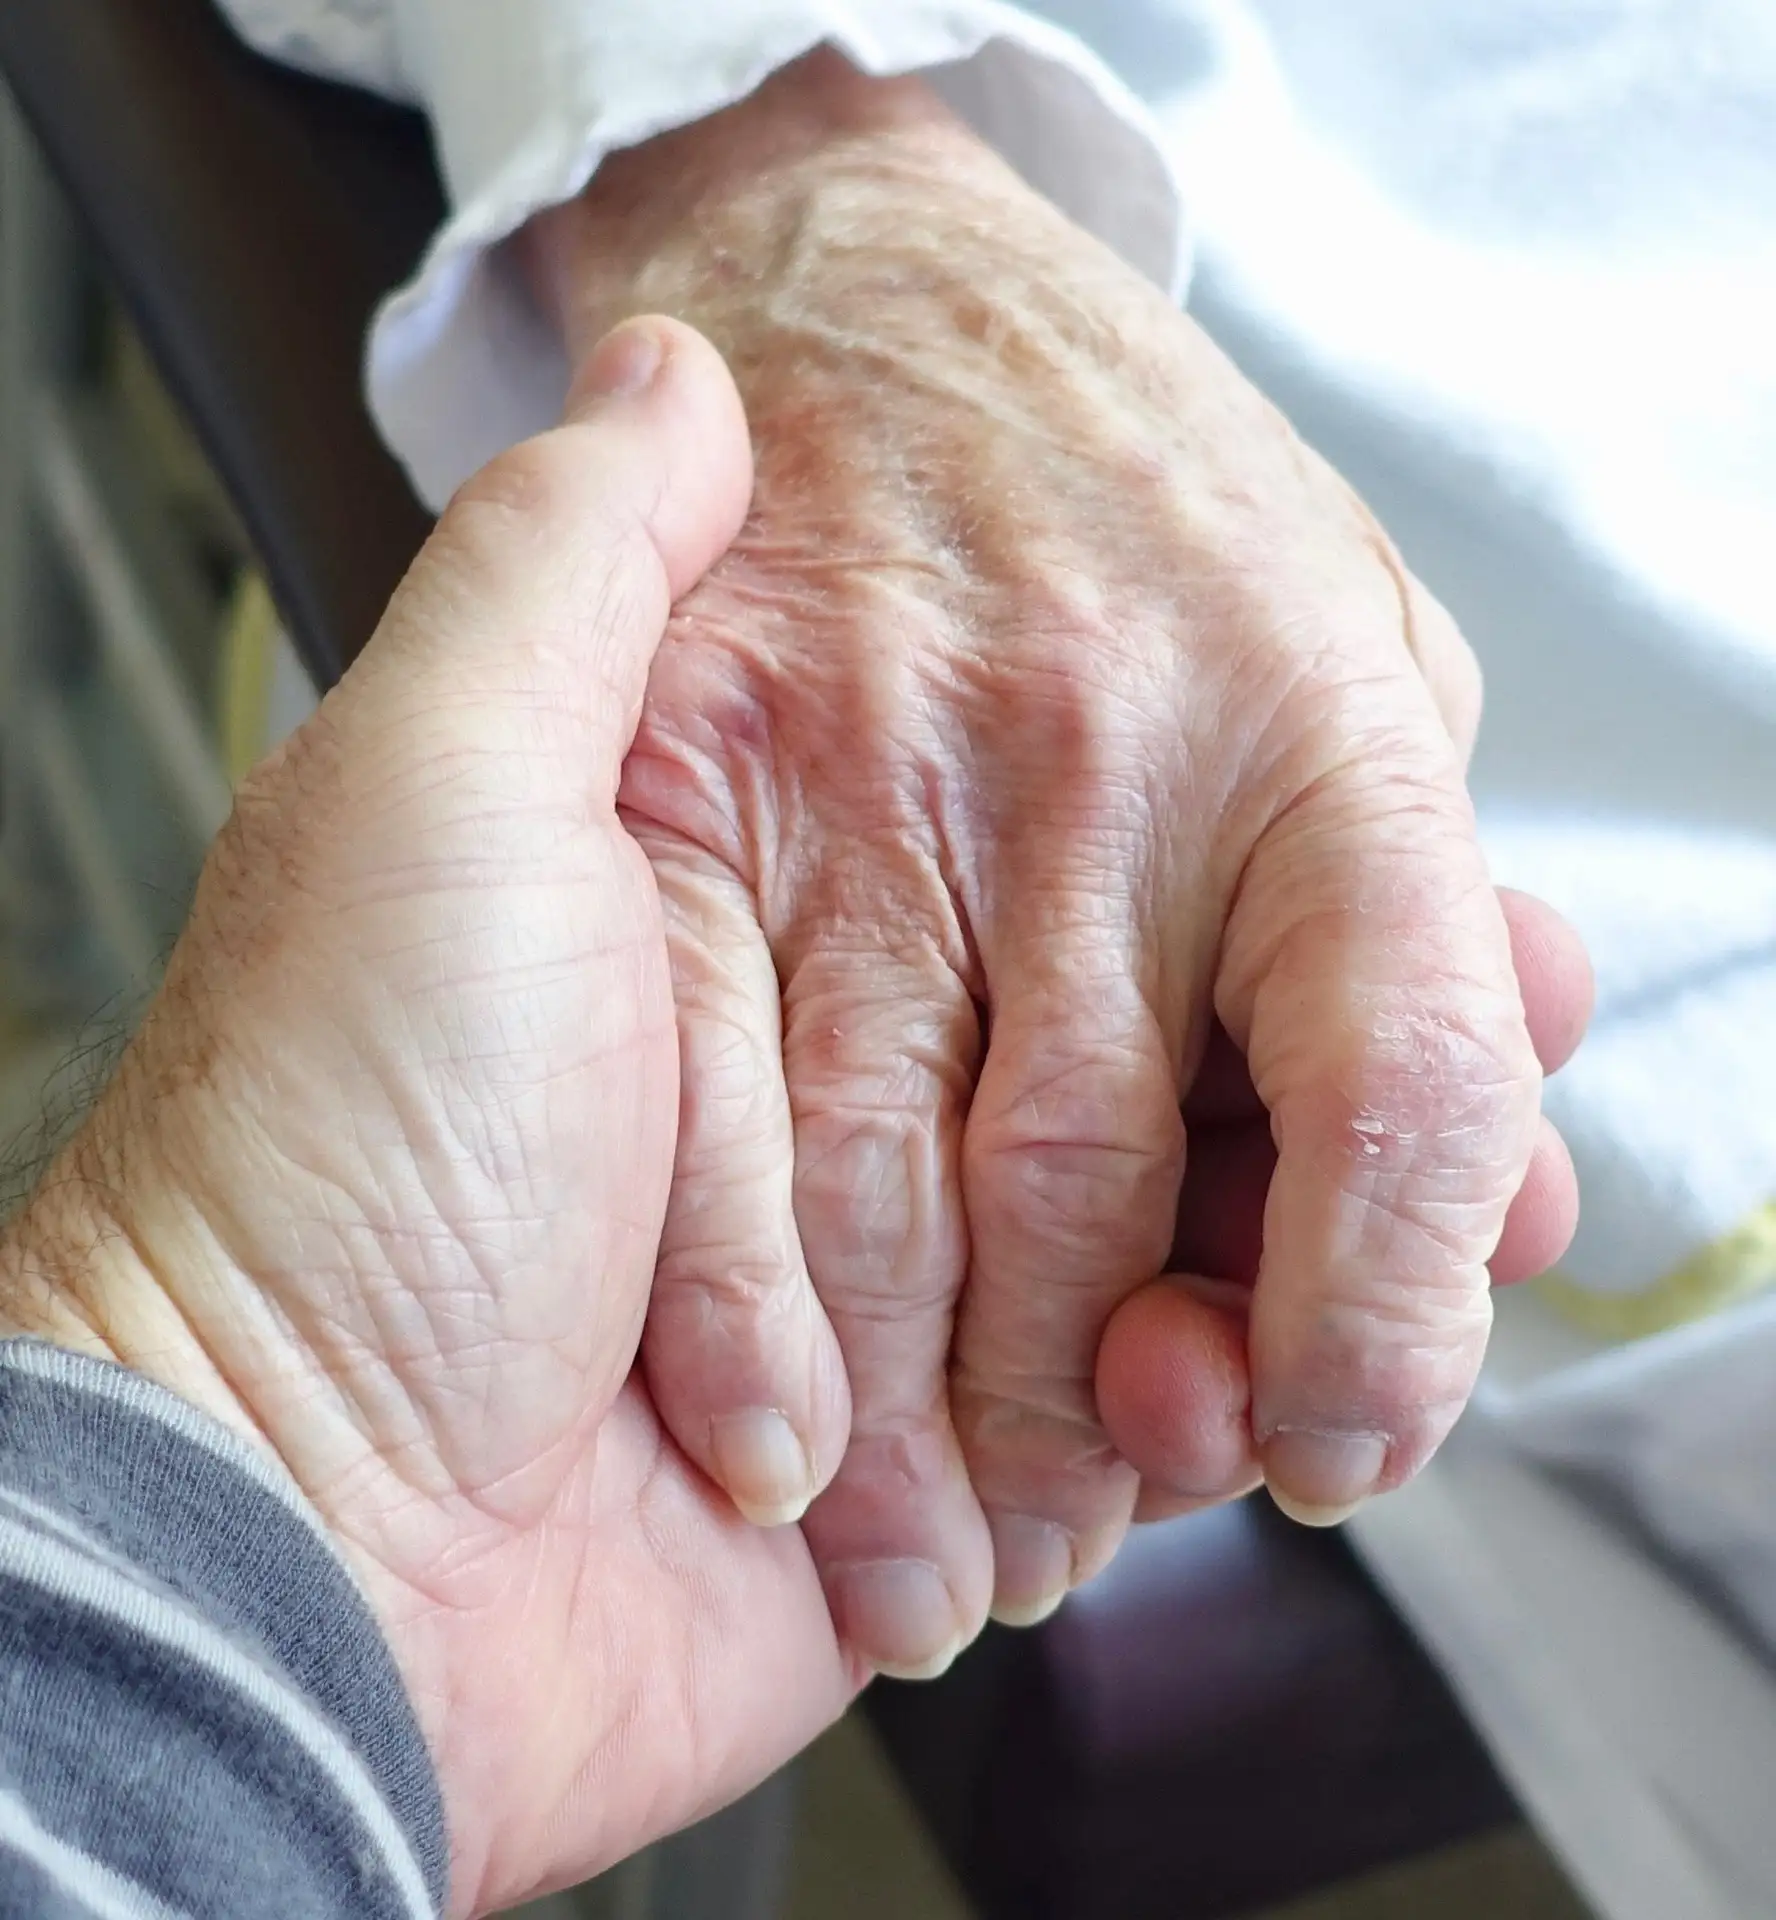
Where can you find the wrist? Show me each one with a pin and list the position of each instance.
(688, 222)
(125, 1252)
(77, 1269)
(112, 1257)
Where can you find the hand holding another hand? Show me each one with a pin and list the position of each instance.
(380, 1180)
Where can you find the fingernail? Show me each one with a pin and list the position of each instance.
(761, 1461)
(1319, 1478)
(898, 1614)
(1032, 1568)
(625, 362)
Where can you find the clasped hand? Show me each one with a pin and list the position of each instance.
(1057, 797)
(1043, 917)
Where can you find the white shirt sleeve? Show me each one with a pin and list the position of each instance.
(526, 98)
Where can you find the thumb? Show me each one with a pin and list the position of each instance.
(541, 597)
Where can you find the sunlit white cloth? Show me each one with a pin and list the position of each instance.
(1513, 267)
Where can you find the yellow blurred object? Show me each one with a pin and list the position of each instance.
(184, 474)
(1734, 1268)
(245, 670)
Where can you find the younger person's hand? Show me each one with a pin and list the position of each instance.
(380, 1182)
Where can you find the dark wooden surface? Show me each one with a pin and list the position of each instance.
(1230, 1717)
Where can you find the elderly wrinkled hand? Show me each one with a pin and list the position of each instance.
(1058, 724)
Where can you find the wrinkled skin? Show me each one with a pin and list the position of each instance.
(382, 1178)
(1056, 712)
(380, 1181)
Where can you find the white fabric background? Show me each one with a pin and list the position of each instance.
(1512, 265)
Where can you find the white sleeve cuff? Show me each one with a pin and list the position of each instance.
(527, 98)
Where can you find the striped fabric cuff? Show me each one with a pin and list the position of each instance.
(198, 1714)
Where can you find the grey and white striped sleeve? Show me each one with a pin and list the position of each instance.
(199, 1718)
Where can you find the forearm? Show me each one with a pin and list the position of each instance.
(118, 1287)
(202, 1712)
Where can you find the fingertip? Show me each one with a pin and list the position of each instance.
(1544, 1216)
(663, 388)
(763, 1414)
(1307, 1514)
(1319, 1478)
(763, 1463)
(1174, 1389)
(705, 1356)
(899, 1614)
(1034, 1568)
(562, 556)
(1554, 975)
(623, 365)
